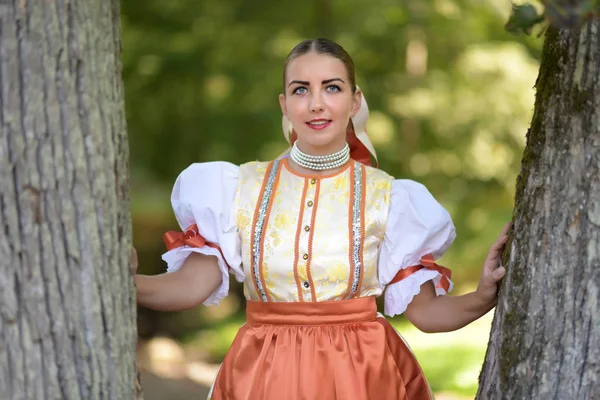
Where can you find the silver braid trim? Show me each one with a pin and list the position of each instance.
(356, 228)
(259, 229)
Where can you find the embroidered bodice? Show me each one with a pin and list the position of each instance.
(292, 237)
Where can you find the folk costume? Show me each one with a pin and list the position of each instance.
(314, 251)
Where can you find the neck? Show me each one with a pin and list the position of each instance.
(320, 150)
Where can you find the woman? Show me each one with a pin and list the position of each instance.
(315, 237)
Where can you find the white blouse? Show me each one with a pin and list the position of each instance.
(417, 225)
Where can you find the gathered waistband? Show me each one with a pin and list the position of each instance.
(311, 313)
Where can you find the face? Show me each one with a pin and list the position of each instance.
(319, 102)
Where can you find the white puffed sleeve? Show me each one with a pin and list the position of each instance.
(204, 194)
(417, 226)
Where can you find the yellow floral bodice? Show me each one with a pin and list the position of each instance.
(311, 238)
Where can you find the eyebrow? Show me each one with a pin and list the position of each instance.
(326, 81)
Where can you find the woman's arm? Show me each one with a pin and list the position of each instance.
(186, 288)
(431, 313)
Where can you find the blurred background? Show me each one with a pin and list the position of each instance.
(451, 96)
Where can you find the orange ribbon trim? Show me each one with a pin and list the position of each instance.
(190, 237)
(426, 262)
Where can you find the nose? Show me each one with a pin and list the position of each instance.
(316, 103)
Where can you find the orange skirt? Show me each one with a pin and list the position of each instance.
(323, 350)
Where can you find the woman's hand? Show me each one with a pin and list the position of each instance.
(134, 261)
(493, 271)
(431, 313)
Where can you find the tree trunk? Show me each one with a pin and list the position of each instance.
(545, 340)
(67, 305)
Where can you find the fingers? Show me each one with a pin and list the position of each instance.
(498, 246)
(494, 253)
(491, 280)
(499, 273)
(503, 236)
(493, 270)
(506, 229)
(134, 261)
(502, 239)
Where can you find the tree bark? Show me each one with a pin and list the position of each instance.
(67, 304)
(545, 339)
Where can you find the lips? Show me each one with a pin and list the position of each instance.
(318, 124)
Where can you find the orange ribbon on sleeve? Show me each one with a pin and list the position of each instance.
(426, 262)
(190, 237)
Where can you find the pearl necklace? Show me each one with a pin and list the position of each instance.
(320, 163)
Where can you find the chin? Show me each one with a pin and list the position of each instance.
(319, 139)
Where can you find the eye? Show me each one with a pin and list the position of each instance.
(333, 88)
(300, 90)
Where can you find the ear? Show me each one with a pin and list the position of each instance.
(356, 103)
(282, 104)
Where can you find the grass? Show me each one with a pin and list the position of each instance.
(451, 361)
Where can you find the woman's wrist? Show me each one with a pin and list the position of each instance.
(482, 303)
(143, 288)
